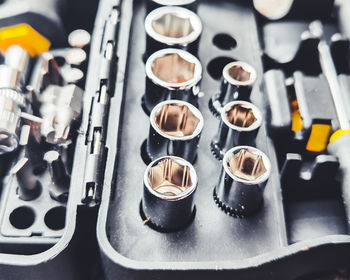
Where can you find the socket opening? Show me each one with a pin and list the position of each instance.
(8, 142)
(247, 164)
(170, 178)
(173, 25)
(239, 73)
(241, 116)
(55, 218)
(177, 119)
(174, 69)
(22, 217)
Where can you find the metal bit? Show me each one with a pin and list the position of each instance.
(169, 186)
(16, 58)
(60, 106)
(330, 72)
(60, 179)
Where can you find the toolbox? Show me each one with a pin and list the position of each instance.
(248, 185)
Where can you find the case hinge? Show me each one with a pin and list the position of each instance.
(95, 136)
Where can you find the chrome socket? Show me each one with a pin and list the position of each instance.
(244, 173)
(240, 122)
(237, 83)
(175, 129)
(171, 74)
(19, 59)
(60, 106)
(188, 4)
(169, 185)
(11, 104)
(172, 27)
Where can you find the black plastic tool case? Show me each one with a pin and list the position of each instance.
(214, 244)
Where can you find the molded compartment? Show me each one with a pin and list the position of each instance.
(214, 244)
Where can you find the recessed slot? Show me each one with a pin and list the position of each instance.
(224, 41)
(22, 217)
(216, 65)
(55, 218)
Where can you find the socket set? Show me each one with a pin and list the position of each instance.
(217, 143)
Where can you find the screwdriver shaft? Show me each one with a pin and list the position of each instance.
(329, 70)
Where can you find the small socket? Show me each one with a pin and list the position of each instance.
(175, 128)
(174, 27)
(237, 82)
(242, 180)
(171, 74)
(169, 186)
(240, 122)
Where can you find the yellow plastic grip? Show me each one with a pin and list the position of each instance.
(25, 36)
(339, 133)
(319, 136)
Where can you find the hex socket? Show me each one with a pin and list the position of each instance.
(172, 27)
(188, 4)
(239, 125)
(175, 129)
(244, 173)
(171, 74)
(236, 84)
(169, 186)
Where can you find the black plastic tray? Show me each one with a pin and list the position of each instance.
(66, 253)
(214, 243)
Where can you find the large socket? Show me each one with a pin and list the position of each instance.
(175, 129)
(169, 186)
(171, 74)
(172, 27)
